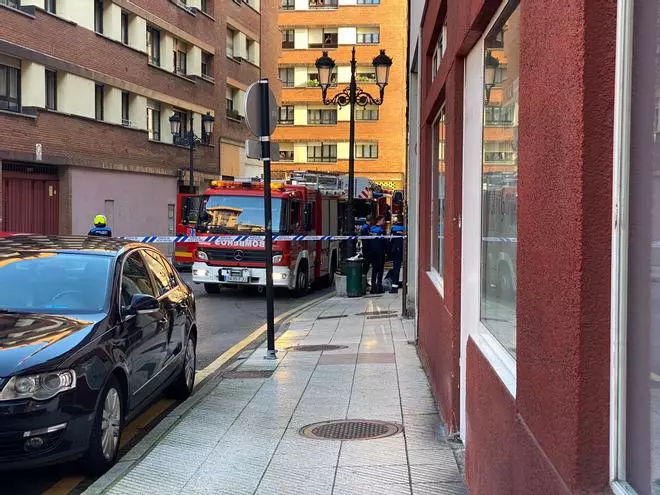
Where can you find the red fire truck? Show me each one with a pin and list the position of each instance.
(237, 208)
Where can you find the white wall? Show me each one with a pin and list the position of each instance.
(300, 152)
(347, 35)
(300, 115)
(343, 74)
(301, 39)
(75, 95)
(137, 32)
(302, 5)
(33, 84)
(91, 188)
(79, 11)
(342, 151)
(112, 105)
(300, 76)
(112, 20)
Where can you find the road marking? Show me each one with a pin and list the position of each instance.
(64, 486)
(234, 350)
(655, 377)
(144, 420)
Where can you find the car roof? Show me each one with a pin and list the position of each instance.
(16, 243)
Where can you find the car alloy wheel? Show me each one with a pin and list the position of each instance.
(110, 424)
(190, 364)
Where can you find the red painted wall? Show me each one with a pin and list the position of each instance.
(553, 437)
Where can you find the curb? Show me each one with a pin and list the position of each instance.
(203, 386)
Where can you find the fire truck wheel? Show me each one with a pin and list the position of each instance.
(302, 280)
(212, 288)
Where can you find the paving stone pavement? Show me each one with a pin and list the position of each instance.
(243, 436)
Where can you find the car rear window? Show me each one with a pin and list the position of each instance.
(54, 282)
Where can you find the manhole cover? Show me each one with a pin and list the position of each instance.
(316, 348)
(351, 429)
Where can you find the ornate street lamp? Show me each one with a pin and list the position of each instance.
(352, 95)
(490, 73)
(188, 139)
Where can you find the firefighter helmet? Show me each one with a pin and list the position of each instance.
(100, 221)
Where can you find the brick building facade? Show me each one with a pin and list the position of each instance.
(88, 90)
(538, 277)
(315, 137)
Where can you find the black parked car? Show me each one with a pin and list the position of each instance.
(91, 331)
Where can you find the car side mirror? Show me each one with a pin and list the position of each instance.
(143, 304)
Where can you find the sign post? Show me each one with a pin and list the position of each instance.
(261, 119)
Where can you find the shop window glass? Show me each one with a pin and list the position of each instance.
(499, 212)
(639, 459)
(438, 195)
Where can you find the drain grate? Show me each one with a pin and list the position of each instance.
(377, 313)
(381, 317)
(351, 429)
(316, 348)
(333, 317)
(238, 375)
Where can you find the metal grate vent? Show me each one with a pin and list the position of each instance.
(351, 429)
(316, 348)
(239, 375)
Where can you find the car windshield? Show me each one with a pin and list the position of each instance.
(54, 282)
(238, 214)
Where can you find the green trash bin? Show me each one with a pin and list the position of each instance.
(354, 278)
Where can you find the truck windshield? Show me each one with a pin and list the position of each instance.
(237, 214)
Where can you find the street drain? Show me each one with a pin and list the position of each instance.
(331, 317)
(239, 375)
(351, 429)
(316, 348)
(377, 313)
(381, 317)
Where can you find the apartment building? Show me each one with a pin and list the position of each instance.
(87, 90)
(314, 136)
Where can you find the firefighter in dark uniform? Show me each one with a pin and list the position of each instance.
(378, 251)
(396, 255)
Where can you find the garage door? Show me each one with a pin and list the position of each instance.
(30, 202)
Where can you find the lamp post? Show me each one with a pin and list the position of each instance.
(352, 95)
(490, 73)
(189, 139)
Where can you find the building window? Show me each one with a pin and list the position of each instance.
(499, 217)
(10, 92)
(367, 113)
(232, 111)
(124, 28)
(323, 38)
(181, 139)
(286, 155)
(98, 16)
(366, 151)
(204, 6)
(153, 45)
(365, 75)
(181, 58)
(439, 50)
(288, 41)
(50, 6)
(321, 153)
(322, 117)
(252, 52)
(98, 102)
(287, 77)
(285, 116)
(498, 115)
(153, 120)
(438, 196)
(125, 114)
(369, 36)
(313, 78)
(51, 90)
(230, 42)
(15, 4)
(368, 2)
(288, 4)
(207, 64)
(323, 4)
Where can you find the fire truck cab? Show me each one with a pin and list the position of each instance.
(237, 209)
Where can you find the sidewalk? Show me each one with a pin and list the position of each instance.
(240, 434)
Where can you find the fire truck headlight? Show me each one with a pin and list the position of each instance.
(277, 258)
(279, 276)
(202, 255)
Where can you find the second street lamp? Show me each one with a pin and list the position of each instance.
(188, 138)
(352, 95)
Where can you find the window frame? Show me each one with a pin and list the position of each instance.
(124, 28)
(366, 146)
(288, 5)
(8, 99)
(361, 38)
(51, 93)
(323, 158)
(229, 46)
(362, 111)
(289, 113)
(287, 83)
(207, 64)
(288, 43)
(138, 253)
(125, 109)
(99, 105)
(153, 121)
(322, 116)
(153, 48)
(50, 6)
(98, 16)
